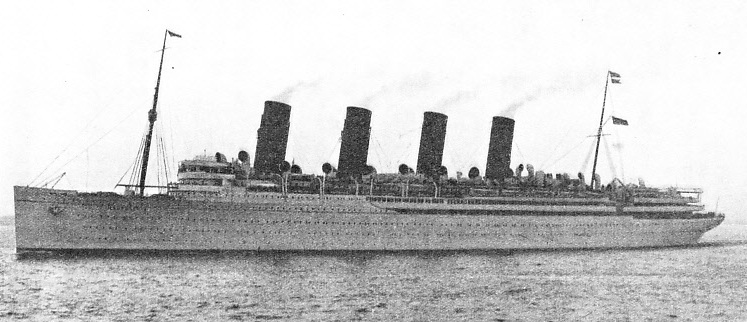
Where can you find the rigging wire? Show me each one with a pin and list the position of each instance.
(165, 110)
(97, 141)
(588, 157)
(158, 163)
(408, 132)
(160, 154)
(170, 167)
(68, 145)
(86, 149)
(138, 160)
(301, 152)
(564, 155)
(459, 160)
(134, 164)
(166, 168)
(378, 155)
(544, 162)
(334, 148)
(171, 143)
(476, 147)
(406, 153)
(160, 157)
(609, 159)
(74, 140)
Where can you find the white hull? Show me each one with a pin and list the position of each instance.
(50, 219)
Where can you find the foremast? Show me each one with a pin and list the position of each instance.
(152, 115)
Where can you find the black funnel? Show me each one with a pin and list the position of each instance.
(499, 150)
(354, 145)
(432, 140)
(272, 138)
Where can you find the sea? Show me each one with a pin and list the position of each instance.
(704, 282)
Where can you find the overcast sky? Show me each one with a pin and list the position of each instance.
(78, 78)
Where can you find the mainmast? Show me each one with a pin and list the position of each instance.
(599, 132)
(615, 80)
(152, 114)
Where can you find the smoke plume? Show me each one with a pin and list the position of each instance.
(511, 110)
(408, 85)
(288, 92)
(446, 103)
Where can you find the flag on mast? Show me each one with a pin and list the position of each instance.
(615, 77)
(619, 121)
(172, 34)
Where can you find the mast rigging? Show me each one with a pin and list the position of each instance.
(615, 78)
(599, 132)
(152, 115)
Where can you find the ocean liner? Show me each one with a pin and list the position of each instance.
(271, 204)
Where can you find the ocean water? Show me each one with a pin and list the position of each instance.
(707, 282)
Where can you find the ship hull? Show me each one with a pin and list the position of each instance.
(49, 219)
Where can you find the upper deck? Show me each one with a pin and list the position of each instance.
(207, 178)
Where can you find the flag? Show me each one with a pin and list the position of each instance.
(174, 34)
(615, 77)
(619, 121)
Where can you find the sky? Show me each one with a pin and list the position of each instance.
(78, 78)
